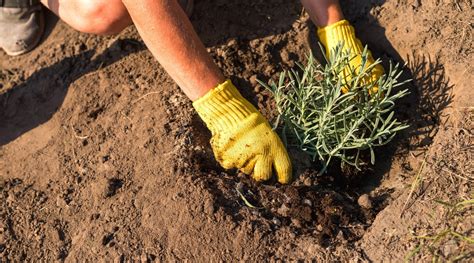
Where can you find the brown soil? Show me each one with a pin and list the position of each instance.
(102, 157)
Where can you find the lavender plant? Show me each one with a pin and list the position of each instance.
(327, 123)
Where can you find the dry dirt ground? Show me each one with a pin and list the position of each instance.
(103, 158)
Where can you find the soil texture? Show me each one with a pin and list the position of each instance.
(102, 157)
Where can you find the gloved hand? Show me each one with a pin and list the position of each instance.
(342, 31)
(241, 136)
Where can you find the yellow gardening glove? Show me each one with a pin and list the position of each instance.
(241, 136)
(343, 32)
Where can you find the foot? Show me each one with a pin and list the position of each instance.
(187, 5)
(21, 25)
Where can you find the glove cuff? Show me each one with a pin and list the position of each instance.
(342, 31)
(223, 107)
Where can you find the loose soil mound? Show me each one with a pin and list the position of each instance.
(101, 155)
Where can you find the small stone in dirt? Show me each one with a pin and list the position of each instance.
(307, 202)
(416, 4)
(253, 80)
(232, 42)
(285, 57)
(296, 222)
(449, 248)
(256, 213)
(364, 201)
(276, 221)
(283, 210)
(340, 236)
(319, 228)
(308, 182)
(208, 207)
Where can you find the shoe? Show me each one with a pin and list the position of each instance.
(21, 25)
(187, 5)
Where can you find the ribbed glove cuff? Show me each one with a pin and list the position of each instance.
(341, 31)
(223, 107)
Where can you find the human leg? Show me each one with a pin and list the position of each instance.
(102, 17)
(22, 21)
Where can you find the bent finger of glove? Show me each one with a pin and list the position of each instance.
(282, 165)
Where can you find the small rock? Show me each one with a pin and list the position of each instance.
(276, 221)
(296, 222)
(208, 207)
(254, 43)
(416, 4)
(232, 42)
(449, 248)
(340, 237)
(283, 210)
(253, 80)
(307, 202)
(285, 57)
(364, 201)
(308, 181)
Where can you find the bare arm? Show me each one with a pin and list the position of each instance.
(169, 35)
(323, 12)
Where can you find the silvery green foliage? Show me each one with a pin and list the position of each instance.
(326, 123)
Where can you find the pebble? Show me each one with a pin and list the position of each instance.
(253, 80)
(296, 222)
(364, 201)
(416, 4)
(232, 42)
(283, 210)
(276, 221)
(208, 207)
(308, 182)
(285, 56)
(307, 202)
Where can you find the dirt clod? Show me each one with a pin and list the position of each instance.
(364, 201)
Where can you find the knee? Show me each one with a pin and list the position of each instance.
(101, 17)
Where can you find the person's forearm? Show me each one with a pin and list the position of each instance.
(170, 37)
(323, 12)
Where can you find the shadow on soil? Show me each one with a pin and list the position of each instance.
(50, 22)
(218, 21)
(35, 101)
